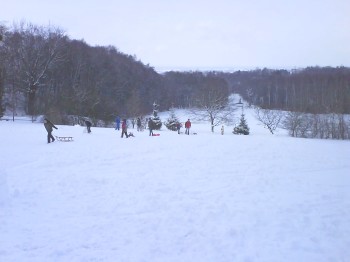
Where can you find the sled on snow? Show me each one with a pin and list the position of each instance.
(64, 138)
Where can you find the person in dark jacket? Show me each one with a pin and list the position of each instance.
(138, 124)
(49, 127)
(88, 126)
(124, 128)
(150, 127)
(178, 127)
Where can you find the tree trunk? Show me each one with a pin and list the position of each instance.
(31, 101)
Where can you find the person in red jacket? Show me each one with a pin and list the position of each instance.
(124, 128)
(187, 126)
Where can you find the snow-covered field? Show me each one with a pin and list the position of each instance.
(205, 197)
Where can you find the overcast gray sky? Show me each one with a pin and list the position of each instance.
(197, 34)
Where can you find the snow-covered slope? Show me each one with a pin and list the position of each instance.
(205, 197)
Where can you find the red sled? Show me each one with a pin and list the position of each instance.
(155, 134)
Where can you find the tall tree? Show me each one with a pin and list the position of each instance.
(2, 76)
(212, 103)
(37, 50)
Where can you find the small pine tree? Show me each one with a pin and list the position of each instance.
(242, 128)
(157, 123)
(172, 121)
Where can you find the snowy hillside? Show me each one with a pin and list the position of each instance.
(205, 197)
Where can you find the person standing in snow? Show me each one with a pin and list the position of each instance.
(49, 127)
(150, 127)
(178, 126)
(187, 126)
(117, 123)
(124, 129)
(222, 130)
(138, 124)
(88, 126)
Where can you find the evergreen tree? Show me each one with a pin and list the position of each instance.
(242, 128)
(172, 121)
(157, 123)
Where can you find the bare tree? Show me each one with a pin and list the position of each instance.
(2, 73)
(270, 118)
(214, 106)
(133, 105)
(11, 73)
(294, 123)
(37, 51)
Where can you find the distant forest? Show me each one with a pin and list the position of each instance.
(311, 90)
(43, 71)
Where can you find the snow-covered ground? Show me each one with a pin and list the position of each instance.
(205, 197)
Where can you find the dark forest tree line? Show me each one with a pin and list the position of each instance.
(47, 73)
(312, 90)
(58, 76)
